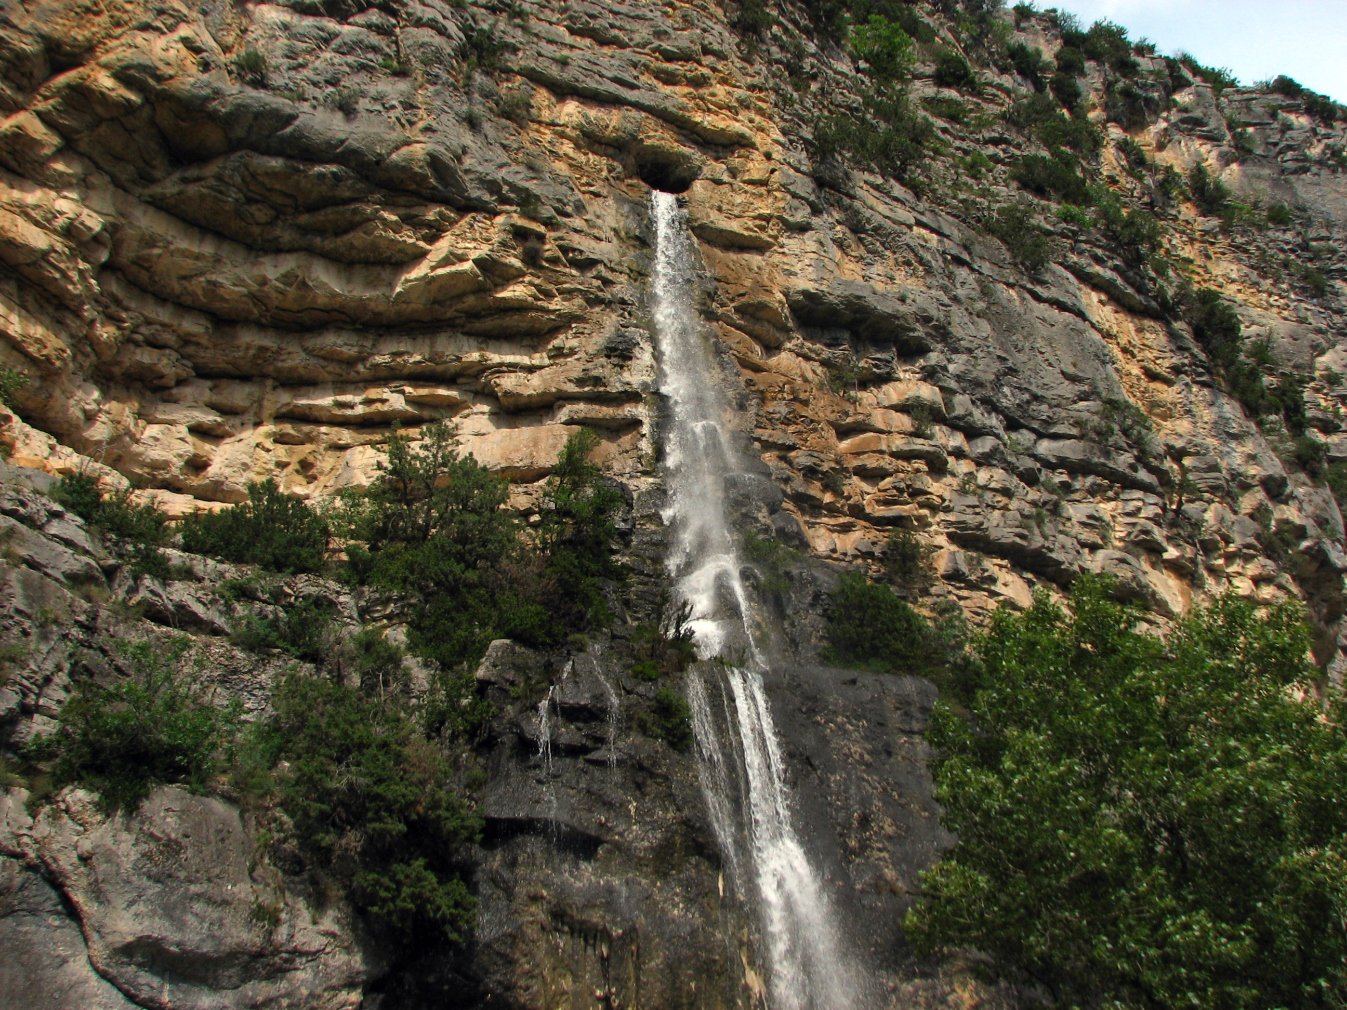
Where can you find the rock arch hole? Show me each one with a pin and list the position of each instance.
(668, 170)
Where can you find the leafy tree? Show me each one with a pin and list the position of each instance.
(371, 801)
(151, 727)
(578, 534)
(1216, 326)
(142, 528)
(271, 529)
(884, 47)
(870, 628)
(1057, 176)
(433, 528)
(953, 71)
(1145, 823)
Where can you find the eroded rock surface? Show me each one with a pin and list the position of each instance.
(240, 242)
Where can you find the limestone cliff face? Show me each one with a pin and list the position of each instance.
(241, 241)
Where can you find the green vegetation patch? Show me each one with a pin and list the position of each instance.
(1144, 822)
(274, 530)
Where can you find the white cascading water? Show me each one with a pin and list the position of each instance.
(740, 758)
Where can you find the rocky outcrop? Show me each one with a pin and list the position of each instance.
(246, 241)
(174, 906)
(243, 243)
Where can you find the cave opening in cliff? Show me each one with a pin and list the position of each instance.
(665, 170)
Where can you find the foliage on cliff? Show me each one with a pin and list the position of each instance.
(1146, 822)
(434, 528)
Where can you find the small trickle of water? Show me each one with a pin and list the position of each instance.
(545, 731)
(739, 756)
(614, 718)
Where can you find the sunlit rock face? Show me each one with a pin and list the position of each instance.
(249, 241)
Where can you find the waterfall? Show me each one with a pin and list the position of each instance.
(739, 755)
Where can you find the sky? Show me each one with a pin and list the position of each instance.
(1255, 39)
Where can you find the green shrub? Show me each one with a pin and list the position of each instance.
(1322, 108)
(890, 139)
(952, 110)
(1209, 193)
(976, 164)
(1127, 105)
(1135, 232)
(143, 529)
(251, 66)
(907, 562)
(1134, 156)
(1216, 326)
(151, 728)
(1067, 90)
(483, 49)
(1070, 61)
(1073, 132)
(1145, 823)
(872, 629)
(577, 535)
(1335, 479)
(11, 381)
(433, 529)
(753, 18)
(1017, 227)
(1288, 86)
(1055, 177)
(372, 804)
(772, 559)
(1108, 42)
(884, 47)
(1310, 454)
(376, 663)
(515, 104)
(1029, 63)
(302, 629)
(670, 719)
(1218, 78)
(271, 529)
(953, 71)
(1076, 217)
(113, 513)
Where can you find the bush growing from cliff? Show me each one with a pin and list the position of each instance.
(271, 529)
(670, 719)
(371, 802)
(302, 630)
(11, 381)
(1029, 63)
(142, 529)
(1024, 238)
(1216, 326)
(891, 137)
(953, 71)
(884, 47)
(753, 17)
(434, 529)
(150, 727)
(1145, 823)
(1209, 193)
(870, 628)
(577, 536)
(1056, 177)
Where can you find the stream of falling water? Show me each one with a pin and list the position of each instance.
(739, 755)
